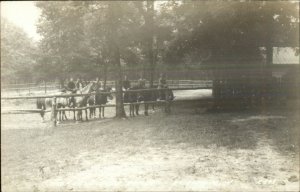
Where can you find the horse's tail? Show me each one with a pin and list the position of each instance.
(41, 104)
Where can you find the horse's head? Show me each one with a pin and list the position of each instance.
(71, 101)
(109, 95)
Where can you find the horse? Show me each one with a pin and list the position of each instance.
(43, 103)
(81, 101)
(132, 98)
(61, 102)
(167, 95)
(100, 98)
(153, 95)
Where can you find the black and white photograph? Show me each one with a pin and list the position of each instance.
(154, 95)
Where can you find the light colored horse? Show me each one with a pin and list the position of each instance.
(81, 101)
(44, 103)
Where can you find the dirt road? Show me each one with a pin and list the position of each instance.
(188, 150)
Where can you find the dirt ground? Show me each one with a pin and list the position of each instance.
(187, 150)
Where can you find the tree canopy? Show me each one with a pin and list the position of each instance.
(17, 53)
(77, 36)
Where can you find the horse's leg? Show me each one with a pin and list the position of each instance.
(62, 113)
(103, 112)
(137, 107)
(146, 109)
(79, 115)
(74, 117)
(86, 115)
(43, 116)
(42, 113)
(65, 115)
(99, 112)
(59, 115)
(131, 110)
(91, 112)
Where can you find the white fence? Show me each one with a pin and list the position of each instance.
(52, 87)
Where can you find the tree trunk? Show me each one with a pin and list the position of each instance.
(105, 75)
(120, 112)
(149, 25)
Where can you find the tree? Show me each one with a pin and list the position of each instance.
(113, 38)
(17, 53)
(231, 33)
(64, 46)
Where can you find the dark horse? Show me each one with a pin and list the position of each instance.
(153, 95)
(132, 98)
(100, 98)
(43, 103)
(138, 97)
(166, 95)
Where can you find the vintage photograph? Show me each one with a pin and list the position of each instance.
(188, 95)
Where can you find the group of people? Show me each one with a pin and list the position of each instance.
(73, 86)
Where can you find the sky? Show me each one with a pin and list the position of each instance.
(24, 14)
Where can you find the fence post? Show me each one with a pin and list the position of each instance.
(53, 111)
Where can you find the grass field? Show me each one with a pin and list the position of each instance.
(190, 149)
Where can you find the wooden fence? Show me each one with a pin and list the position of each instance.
(54, 109)
(48, 87)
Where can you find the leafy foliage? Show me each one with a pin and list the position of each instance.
(232, 31)
(17, 53)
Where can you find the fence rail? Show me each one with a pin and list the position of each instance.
(54, 110)
(86, 94)
(23, 111)
(46, 87)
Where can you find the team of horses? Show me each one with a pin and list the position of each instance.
(135, 96)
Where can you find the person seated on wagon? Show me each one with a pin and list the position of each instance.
(71, 86)
(79, 84)
(142, 82)
(162, 84)
(126, 83)
(98, 85)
